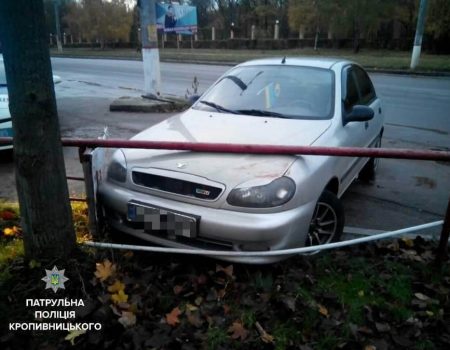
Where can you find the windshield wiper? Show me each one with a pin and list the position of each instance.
(263, 113)
(218, 107)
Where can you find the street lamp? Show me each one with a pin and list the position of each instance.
(232, 31)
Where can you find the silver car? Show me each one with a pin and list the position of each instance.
(245, 202)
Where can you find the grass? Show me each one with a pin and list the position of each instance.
(285, 334)
(374, 59)
(11, 246)
(215, 337)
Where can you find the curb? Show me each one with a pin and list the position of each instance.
(144, 105)
(233, 63)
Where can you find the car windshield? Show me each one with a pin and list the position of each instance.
(279, 91)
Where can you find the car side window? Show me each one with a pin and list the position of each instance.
(351, 91)
(366, 90)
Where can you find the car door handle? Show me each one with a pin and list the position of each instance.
(366, 125)
(379, 110)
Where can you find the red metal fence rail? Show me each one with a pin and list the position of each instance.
(442, 253)
(262, 149)
(396, 153)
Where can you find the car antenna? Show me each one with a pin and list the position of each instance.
(283, 61)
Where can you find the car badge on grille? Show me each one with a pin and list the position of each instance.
(181, 165)
(202, 192)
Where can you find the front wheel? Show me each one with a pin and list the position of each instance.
(327, 223)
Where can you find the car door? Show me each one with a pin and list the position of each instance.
(352, 134)
(368, 97)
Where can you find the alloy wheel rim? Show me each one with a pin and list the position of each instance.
(323, 225)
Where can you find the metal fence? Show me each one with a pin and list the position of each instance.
(425, 155)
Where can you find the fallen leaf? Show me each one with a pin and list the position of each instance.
(226, 270)
(323, 310)
(421, 296)
(290, 303)
(33, 264)
(128, 319)
(221, 293)
(198, 301)
(226, 309)
(129, 254)
(104, 270)
(8, 215)
(119, 297)
(393, 246)
(370, 347)
(73, 335)
(116, 287)
(382, 327)
(408, 242)
(178, 289)
(265, 337)
(237, 330)
(172, 318)
(191, 307)
(194, 318)
(202, 279)
(8, 232)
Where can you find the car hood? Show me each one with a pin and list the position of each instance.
(229, 169)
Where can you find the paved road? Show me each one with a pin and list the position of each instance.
(417, 113)
(420, 102)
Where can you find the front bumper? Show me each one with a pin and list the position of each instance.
(218, 229)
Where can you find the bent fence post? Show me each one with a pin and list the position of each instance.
(442, 251)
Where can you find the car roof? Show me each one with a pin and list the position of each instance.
(317, 62)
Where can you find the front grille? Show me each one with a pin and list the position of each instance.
(167, 184)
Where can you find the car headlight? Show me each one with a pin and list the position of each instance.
(274, 194)
(117, 169)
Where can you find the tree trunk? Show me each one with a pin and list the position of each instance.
(39, 163)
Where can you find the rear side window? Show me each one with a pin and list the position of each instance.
(366, 90)
(351, 91)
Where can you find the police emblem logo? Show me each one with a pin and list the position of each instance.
(54, 279)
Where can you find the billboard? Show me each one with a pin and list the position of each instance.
(176, 18)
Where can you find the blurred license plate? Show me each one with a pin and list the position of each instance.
(159, 219)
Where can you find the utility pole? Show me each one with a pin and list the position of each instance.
(419, 33)
(58, 26)
(45, 211)
(150, 52)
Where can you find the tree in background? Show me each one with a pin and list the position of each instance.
(438, 24)
(50, 14)
(343, 18)
(313, 16)
(100, 20)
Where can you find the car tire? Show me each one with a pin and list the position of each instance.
(327, 223)
(369, 170)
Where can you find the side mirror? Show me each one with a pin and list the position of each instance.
(359, 113)
(192, 99)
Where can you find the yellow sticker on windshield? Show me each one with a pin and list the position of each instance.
(271, 94)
